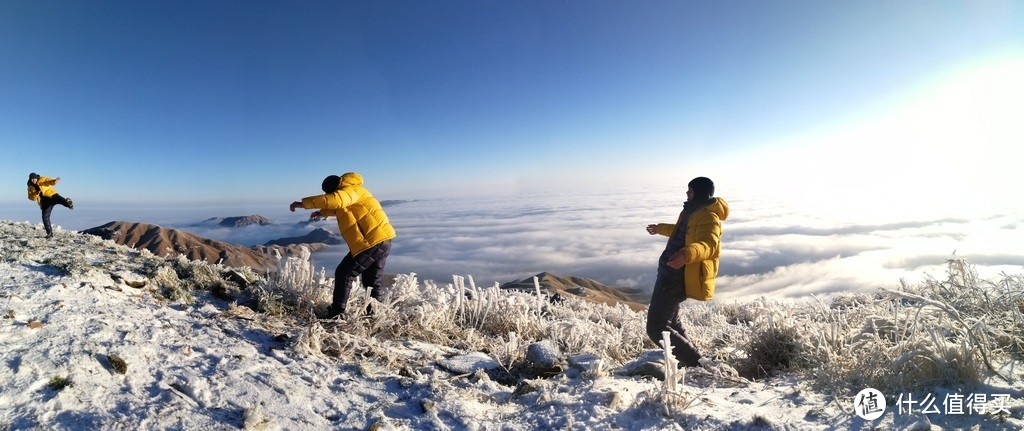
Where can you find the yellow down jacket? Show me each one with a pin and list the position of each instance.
(361, 219)
(45, 189)
(702, 245)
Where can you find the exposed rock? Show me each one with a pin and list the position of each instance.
(237, 278)
(168, 242)
(117, 364)
(543, 355)
(469, 363)
(129, 278)
(316, 236)
(586, 362)
(561, 286)
(650, 363)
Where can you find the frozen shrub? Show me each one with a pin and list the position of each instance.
(171, 287)
(310, 340)
(58, 383)
(68, 264)
(737, 314)
(939, 333)
(849, 301)
(179, 294)
(936, 333)
(479, 319)
(164, 277)
(774, 345)
(195, 274)
(267, 300)
(297, 284)
(223, 290)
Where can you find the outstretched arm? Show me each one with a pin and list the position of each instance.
(315, 214)
(336, 200)
(664, 229)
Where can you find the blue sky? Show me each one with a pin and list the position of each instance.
(255, 102)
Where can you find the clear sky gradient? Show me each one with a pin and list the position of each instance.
(255, 102)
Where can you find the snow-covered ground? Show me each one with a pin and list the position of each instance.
(82, 349)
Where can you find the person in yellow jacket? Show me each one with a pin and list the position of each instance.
(40, 190)
(688, 266)
(365, 228)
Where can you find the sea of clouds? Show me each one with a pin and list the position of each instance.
(770, 248)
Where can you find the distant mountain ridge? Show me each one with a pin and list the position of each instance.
(590, 290)
(392, 202)
(316, 236)
(240, 221)
(169, 242)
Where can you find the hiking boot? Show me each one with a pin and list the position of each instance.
(330, 314)
(71, 205)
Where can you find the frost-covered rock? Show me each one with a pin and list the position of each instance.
(543, 355)
(130, 278)
(587, 363)
(469, 363)
(650, 363)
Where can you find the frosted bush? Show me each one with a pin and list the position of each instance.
(774, 345)
(491, 320)
(939, 333)
(296, 283)
(165, 277)
(68, 264)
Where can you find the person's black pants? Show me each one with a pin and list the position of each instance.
(369, 265)
(663, 315)
(47, 204)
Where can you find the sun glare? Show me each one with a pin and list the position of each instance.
(923, 152)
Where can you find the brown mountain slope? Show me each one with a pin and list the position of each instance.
(171, 242)
(585, 288)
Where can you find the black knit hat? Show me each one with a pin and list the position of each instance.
(331, 184)
(703, 188)
(33, 176)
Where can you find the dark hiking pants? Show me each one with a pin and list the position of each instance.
(47, 204)
(663, 315)
(369, 265)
